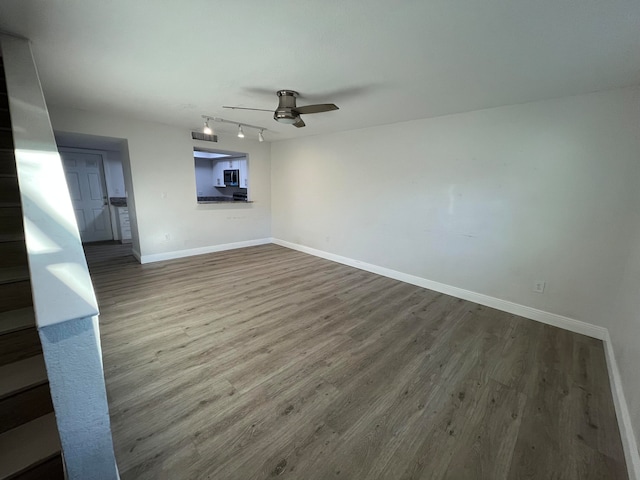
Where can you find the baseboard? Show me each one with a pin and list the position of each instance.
(622, 411)
(629, 443)
(560, 321)
(136, 254)
(159, 257)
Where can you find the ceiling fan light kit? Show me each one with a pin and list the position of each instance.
(287, 112)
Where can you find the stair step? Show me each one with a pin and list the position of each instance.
(12, 228)
(28, 445)
(16, 320)
(11, 237)
(51, 469)
(25, 406)
(14, 274)
(19, 345)
(13, 254)
(10, 211)
(15, 295)
(8, 164)
(24, 392)
(6, 138)
(9, 191)
(19, 376)
(7, 157)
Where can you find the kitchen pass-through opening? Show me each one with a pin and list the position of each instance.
(221, 176)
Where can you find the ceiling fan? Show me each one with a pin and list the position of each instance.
(287, 112)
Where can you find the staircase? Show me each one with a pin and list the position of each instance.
(29, 443)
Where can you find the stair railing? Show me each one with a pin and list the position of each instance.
(63, 297)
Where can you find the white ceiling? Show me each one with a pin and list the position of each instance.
(379, 61)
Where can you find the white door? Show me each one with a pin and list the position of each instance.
(85, 178)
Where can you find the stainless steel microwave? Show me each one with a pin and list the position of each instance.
(232, 178)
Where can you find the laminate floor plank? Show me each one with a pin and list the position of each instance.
(264, 363)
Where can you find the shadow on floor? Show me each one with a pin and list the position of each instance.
(108, 252)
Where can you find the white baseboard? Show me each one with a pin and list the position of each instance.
(622, 411)
(136, 254)
(629, 443)
(560, 321)
(158, 257)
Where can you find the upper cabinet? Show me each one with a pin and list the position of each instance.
(218, 173)
(242, 166)
(235, 164)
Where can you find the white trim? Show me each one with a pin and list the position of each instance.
(622, 412)
(549, 318)
(136, 254)
(158, 257)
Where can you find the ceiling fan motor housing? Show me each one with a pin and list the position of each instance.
(285, 112)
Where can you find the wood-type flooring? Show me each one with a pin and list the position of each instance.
(264, 363)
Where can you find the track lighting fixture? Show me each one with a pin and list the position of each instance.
(208, 130)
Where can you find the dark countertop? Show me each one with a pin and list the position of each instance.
(224, 201)
(220, 199)
(118, 201)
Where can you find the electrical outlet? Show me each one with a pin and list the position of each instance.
(538, 286)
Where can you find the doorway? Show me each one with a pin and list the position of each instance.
(88, 190)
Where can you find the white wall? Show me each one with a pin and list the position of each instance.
(163, 184)
(488, 201)
(625, 335)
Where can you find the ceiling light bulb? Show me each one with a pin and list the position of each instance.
(260, 136)
(240, 132)
(207, 129)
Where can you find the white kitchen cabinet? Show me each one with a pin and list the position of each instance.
(238, 164)
(218, 173)
(242, 166)
(124, 226)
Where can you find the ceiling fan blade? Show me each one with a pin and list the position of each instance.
(244, 108)
(319, 108)
(299, 123)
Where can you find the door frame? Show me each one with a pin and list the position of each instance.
(105, 176)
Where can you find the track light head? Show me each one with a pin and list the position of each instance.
(240, 132)
(207, 129)
(260, 136)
